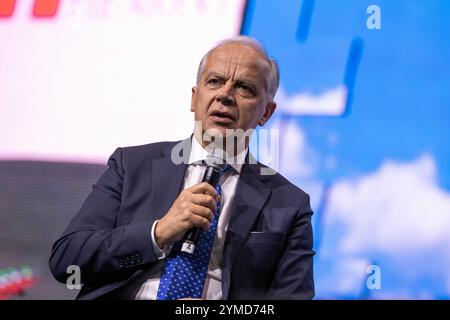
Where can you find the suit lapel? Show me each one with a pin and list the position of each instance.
(250, 197)
(167, 177)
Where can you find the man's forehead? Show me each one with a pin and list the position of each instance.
(236, 55)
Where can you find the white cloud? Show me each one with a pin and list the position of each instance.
(328, 103)
(296, 157)
(399, 216)
(398, 207)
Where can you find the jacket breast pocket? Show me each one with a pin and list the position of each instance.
(264, 246)
(260, 256)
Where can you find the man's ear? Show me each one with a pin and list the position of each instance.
(194, 93)
(270, 109)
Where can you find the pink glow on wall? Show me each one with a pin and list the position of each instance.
(102, 74)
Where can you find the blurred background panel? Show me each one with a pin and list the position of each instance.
(79, 78)
(362, 115)
(98, 74)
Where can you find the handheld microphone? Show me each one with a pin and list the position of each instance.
(216, 164)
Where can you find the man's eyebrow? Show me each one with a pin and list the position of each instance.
(214, 73)
(243, 80)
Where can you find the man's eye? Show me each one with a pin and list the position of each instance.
(213, 81)
(246, 88)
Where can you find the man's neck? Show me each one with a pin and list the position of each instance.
(232, 146)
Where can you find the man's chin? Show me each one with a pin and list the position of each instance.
(221, 136)
(218, 132)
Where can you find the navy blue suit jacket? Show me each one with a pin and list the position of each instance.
(268, 247)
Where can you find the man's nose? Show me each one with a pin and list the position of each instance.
(226, 97)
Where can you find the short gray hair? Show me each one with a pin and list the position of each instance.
(272, 80)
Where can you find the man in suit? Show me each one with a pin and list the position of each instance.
(133, 222)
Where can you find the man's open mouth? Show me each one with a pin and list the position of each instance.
(222, 116)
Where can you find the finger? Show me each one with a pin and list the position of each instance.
(204, 200)
(199, 221)
(203, 187)
(201, 211)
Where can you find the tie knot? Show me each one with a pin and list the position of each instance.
(226, 169)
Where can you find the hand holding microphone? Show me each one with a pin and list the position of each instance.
(216, 164)
(194, 208)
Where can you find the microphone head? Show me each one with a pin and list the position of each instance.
(217, 158)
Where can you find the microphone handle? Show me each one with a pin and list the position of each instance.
(191, 237)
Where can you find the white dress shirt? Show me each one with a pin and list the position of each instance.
(194, 175)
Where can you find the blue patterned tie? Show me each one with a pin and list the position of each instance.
(184, 275)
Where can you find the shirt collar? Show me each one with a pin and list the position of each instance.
(198, 153)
